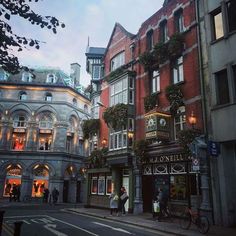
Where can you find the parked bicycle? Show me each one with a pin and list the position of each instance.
(189, 217)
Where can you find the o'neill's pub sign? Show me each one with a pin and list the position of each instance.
(157, 125)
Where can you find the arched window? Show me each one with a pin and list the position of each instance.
(48, 97)
(149, 40)
(19, 121)
(85, 108)
(51, 78)
(45, 122)
(22, 95)
(27, 77)
(74, 102)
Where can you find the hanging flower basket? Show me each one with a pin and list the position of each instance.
(90, 127)
(148, 60)
(175, 97)
(116, 116)
(150, 102)
(97, 158)
(175, 46)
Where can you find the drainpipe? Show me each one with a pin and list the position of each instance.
(203, 93)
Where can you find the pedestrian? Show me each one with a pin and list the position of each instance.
(18, 192)
(45, 195)
(113, 203)
(162, 201)
(55, 194)
(14, 192)
(123, 198)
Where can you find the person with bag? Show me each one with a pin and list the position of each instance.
(113, 203)
(123, 198)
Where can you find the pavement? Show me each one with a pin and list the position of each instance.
(145, 220)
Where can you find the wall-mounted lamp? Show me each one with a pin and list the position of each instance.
(101, 104)
(192, 119)
(6, 112)
(104, 142)
(33, 113)
(130, 134)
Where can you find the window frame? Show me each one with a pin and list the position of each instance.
(157, 79)
(181, 114)
(178, 17)
(22, 96)
(117, 61)
(48, 95)
(51, 80)
(163, 32)
(213, 23)
(177, 66)
(149, 40)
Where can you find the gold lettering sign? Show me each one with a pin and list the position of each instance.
(170, 158)
(19, 130)
(152, 134)
(45, 131)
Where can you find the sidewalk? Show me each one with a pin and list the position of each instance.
(145, 220)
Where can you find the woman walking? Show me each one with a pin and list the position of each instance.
(113, 203)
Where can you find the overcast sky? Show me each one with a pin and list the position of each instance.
(83, 18)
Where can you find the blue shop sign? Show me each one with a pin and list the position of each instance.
(213, 148)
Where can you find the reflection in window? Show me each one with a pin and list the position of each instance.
(177, 70)
(178, 190)
(217, 25)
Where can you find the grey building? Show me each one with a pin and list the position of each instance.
(41, 139)
(217, 20)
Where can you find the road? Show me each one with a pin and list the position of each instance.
(49, 220)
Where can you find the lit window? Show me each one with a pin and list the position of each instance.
(155, 82)
(163, 31)
(94, 185)
(18, 141)
(177, 70)
(179, 21)
(118, 61)
(108, 185)
(149, 38)
(179, 121)
(48, 97)
(217, 24)
(222, 87)
(22, 96)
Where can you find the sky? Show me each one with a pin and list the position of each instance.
(83, 18)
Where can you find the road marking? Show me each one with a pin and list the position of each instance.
(74, 226)
(116, 229)
(11, 217)
(7, 229)
(49, 228)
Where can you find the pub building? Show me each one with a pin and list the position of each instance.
(168, 167)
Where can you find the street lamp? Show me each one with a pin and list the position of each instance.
(104, 142)
(192, 120)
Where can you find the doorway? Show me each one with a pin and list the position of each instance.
(65, 190)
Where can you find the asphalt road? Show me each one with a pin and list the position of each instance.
(46, 220)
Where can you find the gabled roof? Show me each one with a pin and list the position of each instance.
(128, 34)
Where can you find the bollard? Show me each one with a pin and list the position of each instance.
(1, 220)
(17, 230)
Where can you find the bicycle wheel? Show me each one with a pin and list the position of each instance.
(203, 224)
(185, 220)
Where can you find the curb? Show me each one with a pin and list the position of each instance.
(126, 222)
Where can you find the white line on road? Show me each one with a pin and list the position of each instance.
(49, 228)
(116, 229)
(74, 226)
(10, 217)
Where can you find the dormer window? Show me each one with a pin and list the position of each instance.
(48, 97)
(74, 102)
(22, 96)
(3, 76)
(117, 61)
(51, 78)
(27, 77)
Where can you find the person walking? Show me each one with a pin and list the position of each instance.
(163, 203)
(45, 195)
(113, 203)
(123, 198)
(55, 194)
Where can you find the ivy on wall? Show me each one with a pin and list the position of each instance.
(150, 102)
(139, 148)
(90, 127)
(97, 158)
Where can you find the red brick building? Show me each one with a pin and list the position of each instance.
(139, 71)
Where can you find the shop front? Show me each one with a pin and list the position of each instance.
(174, 174)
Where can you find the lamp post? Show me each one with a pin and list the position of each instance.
(192, 120)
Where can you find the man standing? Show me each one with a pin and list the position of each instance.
(123, 198)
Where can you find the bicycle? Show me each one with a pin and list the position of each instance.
(166, 213)
(189, 217)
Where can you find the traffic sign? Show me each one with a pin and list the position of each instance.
(213, 148)
(195, 164)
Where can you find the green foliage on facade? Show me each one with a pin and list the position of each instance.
(150, 102)
(175, 97)
(116, 116)
(90, 127)
(97, 158)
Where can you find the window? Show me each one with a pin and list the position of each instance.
(51, 78)
(218, 31)
(48, 97)
(45, 122)
(131, 90)
(118, 139)
(95, 108)
(163, 31)
(96, 72)
(101, 185)
(27, 77)
(45, 141)
(74, 102)
(231, 7)
(85, 108)
(178, 190)
(149, 38)
(155, 86)
(94, 185)
(118, 61)
(108, 185)
(178, 73)
(179, 21)
(19, 122)
(222, 87)
(3, 75)
(179, 121)
(22, 96)
(18, 141)
(234, 77)
(119, 92)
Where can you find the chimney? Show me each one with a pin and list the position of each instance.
(75, 73)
